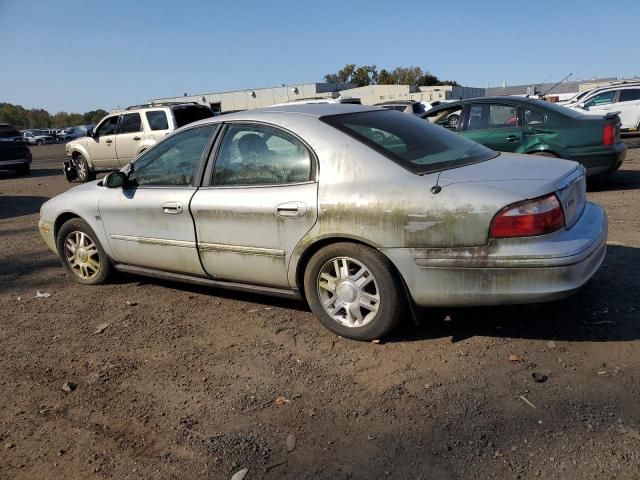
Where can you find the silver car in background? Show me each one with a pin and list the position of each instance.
(311, 201)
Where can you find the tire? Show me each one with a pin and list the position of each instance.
(453, 121)
(545, 154)
(39, 142)
(88, 264)
(379, 300)
(85, 174)
(23, 170)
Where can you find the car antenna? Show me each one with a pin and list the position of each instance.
(556, 84)
(437, 188)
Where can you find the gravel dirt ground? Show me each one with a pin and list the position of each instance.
(187, 382)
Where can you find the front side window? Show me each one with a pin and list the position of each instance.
(130, 123)
(629, 95)
(261, 155)
(108, 126)
(174, 161)
(410, 141)
(486, 116)
(601, 99)
(157, 120)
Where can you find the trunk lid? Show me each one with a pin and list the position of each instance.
(527, 177)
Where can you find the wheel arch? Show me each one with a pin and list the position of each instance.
(320, 243)
(81, 151)
(61, 220)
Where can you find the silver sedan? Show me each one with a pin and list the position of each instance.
(358, 210)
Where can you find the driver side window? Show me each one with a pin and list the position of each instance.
(174, 161)
(108, 127)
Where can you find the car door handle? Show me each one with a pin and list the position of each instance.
(108, 141)
(136, 138)
(172, 208)
(513, 138)
(291, 209)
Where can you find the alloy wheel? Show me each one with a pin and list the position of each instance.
(81, 254)
(348, 292)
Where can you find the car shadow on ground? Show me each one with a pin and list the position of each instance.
(604, 310)
(620, 180)
(601, 311)
(36, 172)
(17, 206)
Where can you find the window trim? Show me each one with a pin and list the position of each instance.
(519, 114)
(197, 176)
(616, 95)
(215, 151)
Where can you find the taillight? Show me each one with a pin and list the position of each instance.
(531, 217)
(609, 135)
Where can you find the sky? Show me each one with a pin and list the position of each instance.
(75, 56)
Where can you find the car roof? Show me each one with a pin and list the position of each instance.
(310, 109)
(398, 102)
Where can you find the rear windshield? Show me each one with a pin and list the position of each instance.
(410, 141)
(190, 113)
(9, 132)
(567, 112)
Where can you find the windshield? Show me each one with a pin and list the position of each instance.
(410, 141)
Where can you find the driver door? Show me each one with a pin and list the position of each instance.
(102, 146)
(148, 222)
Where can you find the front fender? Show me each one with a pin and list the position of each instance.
(81, 149)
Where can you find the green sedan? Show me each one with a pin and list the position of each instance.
(525, 125)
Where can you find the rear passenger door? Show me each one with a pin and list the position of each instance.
(259, 201)
(629, 107)
(129, 137)
(497, 126)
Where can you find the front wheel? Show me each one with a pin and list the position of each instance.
(81, 253)
(82, 168)
(354, 292)
(39, 142)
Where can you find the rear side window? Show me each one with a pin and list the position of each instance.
(629, 95)
(130, 123)
(185, 115)
(533, 118)
(157, 120)
(486, 116)
(410, 141)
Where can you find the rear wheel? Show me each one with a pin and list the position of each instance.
(354, 292)
(23, 170)
(81, 253)
(82, 168)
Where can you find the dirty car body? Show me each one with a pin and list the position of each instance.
(311, 201)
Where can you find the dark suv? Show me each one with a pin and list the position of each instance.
(14, 153)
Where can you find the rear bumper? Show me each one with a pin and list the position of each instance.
(508, 271)
(600, 161)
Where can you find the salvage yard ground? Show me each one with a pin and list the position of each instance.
(179, 382)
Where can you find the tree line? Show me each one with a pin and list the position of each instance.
(369, 75)
(22, 118)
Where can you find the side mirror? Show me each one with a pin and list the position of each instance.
(115, 180)
(581, 105)
(90, 132)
